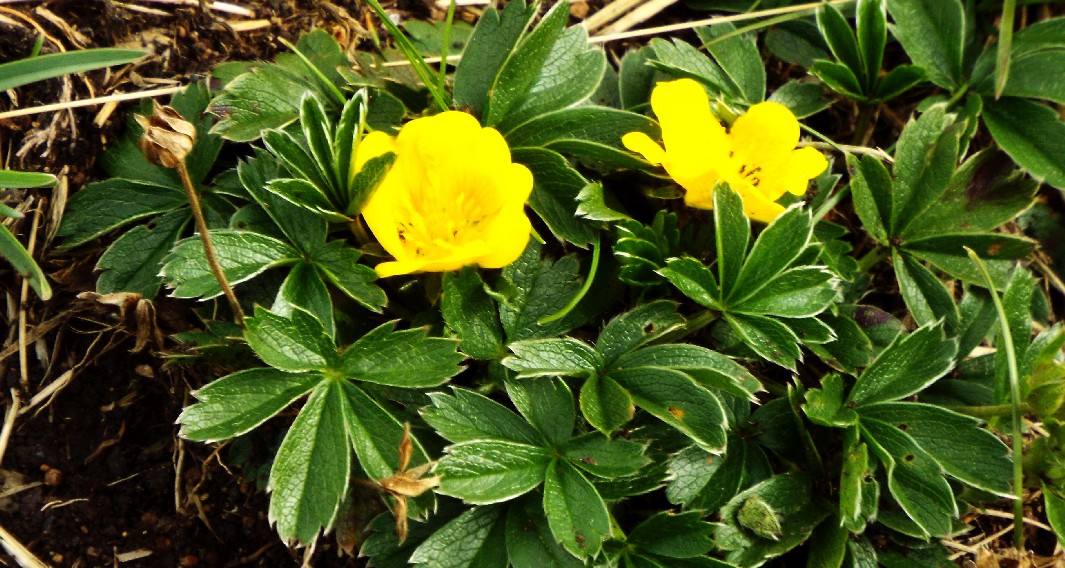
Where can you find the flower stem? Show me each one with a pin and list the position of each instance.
(596, 250)
(208, 248)
(1016, 404)
(861, 129)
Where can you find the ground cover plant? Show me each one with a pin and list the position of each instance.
(541, 308)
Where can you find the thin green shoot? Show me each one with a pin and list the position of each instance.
(332, 89)
(1005, 46)
(1015, 402)
(445, 46)
(440, 97)
(596, 250)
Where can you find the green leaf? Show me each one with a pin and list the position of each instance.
(825, 406)
(694, 280)
(556, 186)
(470, 541)
(933, 35)
(804, 99)
(13, 251)
(898, 81)
(365, 182)
(871, 28)
(304, 289)
(407, 358)
(603, 457)
(925, 295)
(635, 78)
(679, 59)
(907, 366)
(840, 39)
(237, 403)
(1032, 134)
(915, 479)
(768, 338)
(774, 250)
(706, 367)
(733, 231)
(605, 404)
(1035, 75)
(11, 179)
(131, 263)
(680, 535)
(992, 246)
(294, 344)
(492, 42)
(871, 190)
(268, 95)
(590, 133)
(107, 205)
(637, 327)
(738, 57)
(491, 471)
(796, 41)
(594, 206)
(471, 313)
(985, 193)
(530, 543)
(339, 263)
(467, 416)
(1055, 509)
(800, 292)
(955, 441)
(311, 469)
(375, 434)
(641, 249)
(782, 500)
(532, 289)
(32, 69)
(925, 157)
(564, 356)
(304, 228)
(241, 254)
(839, 78)
(519, 72)
(265, 97)
(704, 481)
(547, 403)
(674, 398)
(575, 512)
(854, 474)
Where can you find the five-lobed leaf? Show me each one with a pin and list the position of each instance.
(407, 358)
(909, 364)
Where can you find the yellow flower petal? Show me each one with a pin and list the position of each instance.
(642, 144)
(453, 198)
(757, 207)
(371, 146)
(765, 135)
(692, 136)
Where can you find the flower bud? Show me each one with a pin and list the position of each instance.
(168, 138)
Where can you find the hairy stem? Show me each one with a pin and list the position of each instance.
(208, 248)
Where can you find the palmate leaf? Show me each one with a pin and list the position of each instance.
(295, 343)
(530, 543)
(703, 481)
(131, 263)
(674, 398)
(472, 314)
(547, 404)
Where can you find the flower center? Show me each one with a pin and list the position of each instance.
(443, 218)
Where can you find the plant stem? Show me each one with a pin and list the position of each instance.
(445, 46)
(987, 412)
(861, 129)
(872, 257)
(1015, 404)
(208, 248)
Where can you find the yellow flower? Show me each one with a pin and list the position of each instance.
(452, 198)
(756, 157)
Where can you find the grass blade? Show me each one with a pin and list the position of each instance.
(33, 69)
